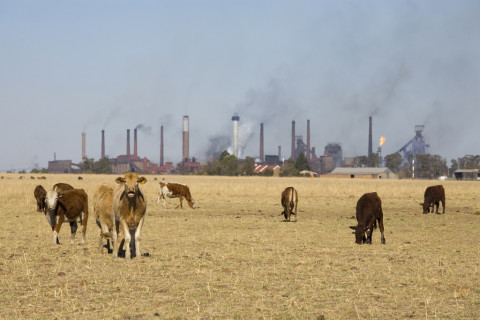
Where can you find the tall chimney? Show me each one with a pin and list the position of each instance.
(279, 152)
(235, 120)
(308, 140)
(293, 140)
(262, 156)
(83, 146)
(370, 142)
(135, 142)
(185, 139)
(161, 146)
(128, 142)
(102, 151)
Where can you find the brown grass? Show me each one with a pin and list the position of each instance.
(234, 258)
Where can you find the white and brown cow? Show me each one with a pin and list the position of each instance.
(175, 190)
(70, 206)
(128, 208)
(289, 202)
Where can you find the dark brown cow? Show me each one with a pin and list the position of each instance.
(175, 190)
(433, 196)
(369, 211)
(40, 193)
(51, 205)
(289, 202)
(70, 205)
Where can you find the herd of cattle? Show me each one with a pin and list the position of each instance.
(120, 210)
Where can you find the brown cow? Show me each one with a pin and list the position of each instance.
(433, 196)
(40, 193)
(369, 211)
(289, 202)
(68, 205)
(175, 190)
(128, 207)
(51, 205)
(102, 207)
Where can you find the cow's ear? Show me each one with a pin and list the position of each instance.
(353, 227)
(142, 180)
(120, 180)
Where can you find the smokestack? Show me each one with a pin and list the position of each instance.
(185, 139)
(135, 142)
(235, 120)
(293, 140)
(102, 151)
(308, 140)
(279, 152)
(161, 146)
(128, 142)
(83, 146)
(262, 157)
(370, 142)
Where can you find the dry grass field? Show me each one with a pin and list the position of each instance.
(235, 258)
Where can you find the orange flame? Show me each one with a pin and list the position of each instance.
(382, 141)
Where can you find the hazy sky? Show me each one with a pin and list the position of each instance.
(73, 66)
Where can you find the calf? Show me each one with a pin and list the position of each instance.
(40, 193)
(51, 205)
(433, 196)
(102, 207)
(175, 190)
(289, 202)
(369, 211)
(128, 208)
(68, 205)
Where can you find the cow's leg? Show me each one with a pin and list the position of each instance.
(436, 205)
(84, 219)
(114, 235)
(443, 206)
(127, 237)
(73, 229)
(164, 202)
(180, 204)
(138, 237)
(380, 226)
(56, 230)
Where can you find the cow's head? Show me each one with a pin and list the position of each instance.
(131, 183)
(51, 202)
(426, 207)
(359, 234)
(191, 203)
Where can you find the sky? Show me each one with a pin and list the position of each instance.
(68, 67)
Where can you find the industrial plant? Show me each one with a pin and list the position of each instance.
(331, 158)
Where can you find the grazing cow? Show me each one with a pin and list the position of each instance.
(68, 205)
(369, 211)
(102, 207)
(433, 196)
(289, 202)
(40, 193)
(128, 207)
(175, 190)
(80, 178)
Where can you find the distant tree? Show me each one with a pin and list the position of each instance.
(43, 170)
(423, 169)
(248, 166)
(360, 161)
(268, 172)
(394, 161)
(454, 166)
(438, 165)
(302, 163)
(96, 167)
(289, 169)
(469, 162)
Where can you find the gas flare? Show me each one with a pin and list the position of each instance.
(382, 141)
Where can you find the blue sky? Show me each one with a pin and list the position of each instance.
(73, 66)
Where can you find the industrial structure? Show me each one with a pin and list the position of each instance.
(416, 145)
(235, 120)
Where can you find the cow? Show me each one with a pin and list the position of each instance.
(128, 208)
(68, 205)
(51, 205)
(102, 207)
(289, 202)
(433, 196)
(175, 190)
(368, 211)
(40, 193)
